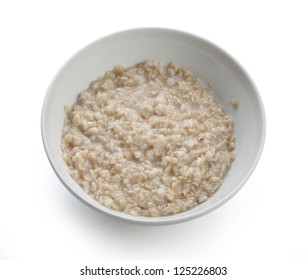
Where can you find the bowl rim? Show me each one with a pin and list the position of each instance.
(162, 220)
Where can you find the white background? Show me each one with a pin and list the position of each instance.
(40, 219)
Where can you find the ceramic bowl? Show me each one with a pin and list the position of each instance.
(207, 61)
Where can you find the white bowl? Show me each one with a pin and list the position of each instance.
(211, 64)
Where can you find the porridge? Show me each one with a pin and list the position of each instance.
(148, 140)
(234, 102)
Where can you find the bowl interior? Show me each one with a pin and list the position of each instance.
(212, 65)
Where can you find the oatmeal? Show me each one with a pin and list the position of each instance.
(234, 102)
(148, 140)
